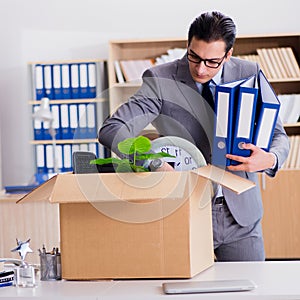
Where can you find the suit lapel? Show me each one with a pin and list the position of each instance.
(183, 75)
(231, 71)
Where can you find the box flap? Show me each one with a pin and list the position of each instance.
(225, 178)
(42, 192)
(77, 188)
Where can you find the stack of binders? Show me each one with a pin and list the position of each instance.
(72, 120)
(246, 112)
(65, 81)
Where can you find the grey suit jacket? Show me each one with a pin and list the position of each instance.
(169, 99)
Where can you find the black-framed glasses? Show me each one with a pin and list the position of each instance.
(210, 63)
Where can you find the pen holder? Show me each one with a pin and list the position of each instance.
(50, 266)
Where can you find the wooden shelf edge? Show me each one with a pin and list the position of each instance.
(292, 125)
(180, 39)
(70, 101)
(69, 61)
(127, 84)
(147, 40)
(75, 141)
(284, 80)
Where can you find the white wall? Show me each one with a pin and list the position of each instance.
(33, 30)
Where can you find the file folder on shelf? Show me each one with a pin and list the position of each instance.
(93, 147)
(67, 158)
(268, 107)
(40, 159)
(245, 117)
(75, 81)
(75, 147)
(37, 126)
(92, 80)
(83, 147)
(82, 121)
(39, 82)
(83, 80)
(65, 122)
(65, 81)
(223, 128)
(91, 121)
(50, 159)
(59, 158)
(57, 82)
(73, 108)
(48, 83)
(55, 109)
(46, 130)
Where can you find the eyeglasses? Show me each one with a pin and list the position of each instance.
(210, 63)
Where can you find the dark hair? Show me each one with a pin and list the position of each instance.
(213, 26)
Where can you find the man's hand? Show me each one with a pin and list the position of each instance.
(258, 160)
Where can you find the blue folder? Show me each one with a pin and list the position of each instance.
(57, 81)
(92, 79)
(245, 117)
(48, 81)
(268, 107)
(83, 81)
(225, 98)
(75, 81)
(66, 81)
(65, 128)
(39, 82)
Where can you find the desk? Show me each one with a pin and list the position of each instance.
(37, 220)
(275, 280)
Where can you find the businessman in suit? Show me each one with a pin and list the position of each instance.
(171, 99)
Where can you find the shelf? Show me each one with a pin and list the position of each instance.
(66, 61)
(296, 79)
(286, 87)
(77, 141)
(247, 44)
(69, 101)
(292, 125)
(292, 129)
(128, 84)
(152, 48)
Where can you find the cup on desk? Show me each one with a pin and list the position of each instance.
(50, 266)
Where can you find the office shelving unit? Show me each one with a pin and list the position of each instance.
(74, 141)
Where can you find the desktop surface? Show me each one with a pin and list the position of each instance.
(274, 280)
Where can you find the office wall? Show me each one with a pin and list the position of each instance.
(33, 30)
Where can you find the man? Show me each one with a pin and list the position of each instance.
(170, 99)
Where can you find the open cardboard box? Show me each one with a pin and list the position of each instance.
(136, 225)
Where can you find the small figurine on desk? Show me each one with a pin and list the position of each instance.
(22, 248)
(24, 275)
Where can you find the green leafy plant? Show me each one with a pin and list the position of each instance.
(138, 148)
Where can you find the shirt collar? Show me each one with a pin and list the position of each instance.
(217, 78)
(214, 81)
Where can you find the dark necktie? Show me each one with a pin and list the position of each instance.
(207, 94)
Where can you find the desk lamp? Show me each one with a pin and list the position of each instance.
(44, 114)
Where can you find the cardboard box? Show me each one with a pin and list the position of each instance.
(136, 225)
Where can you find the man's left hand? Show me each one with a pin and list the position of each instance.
(258, 160)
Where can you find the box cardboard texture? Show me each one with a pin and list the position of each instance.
(136, 225)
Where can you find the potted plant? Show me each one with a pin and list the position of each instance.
(138, 149)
